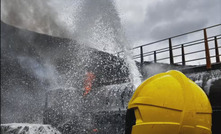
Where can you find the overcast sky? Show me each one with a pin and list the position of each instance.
(143, 20)
(149, 20)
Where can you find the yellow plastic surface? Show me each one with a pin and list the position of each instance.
(170, 103)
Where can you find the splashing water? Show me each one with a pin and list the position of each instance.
(205, 79)
(93, 23)
(23, 128)
(98, 25)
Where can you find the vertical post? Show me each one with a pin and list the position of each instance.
(141, 60)
(183, 55)
(155, 57)
(216, 50)
(171, 51)
(141, 55)
(208, 62)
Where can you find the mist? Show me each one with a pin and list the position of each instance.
(45, 63)
(94, 23)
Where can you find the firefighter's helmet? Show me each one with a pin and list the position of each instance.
(169, 103)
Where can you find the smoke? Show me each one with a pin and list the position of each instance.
(33, 15)
(42, 71)
(93, 23)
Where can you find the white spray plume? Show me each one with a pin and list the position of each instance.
(95, 23)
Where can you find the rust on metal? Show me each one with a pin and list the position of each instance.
(208, 62)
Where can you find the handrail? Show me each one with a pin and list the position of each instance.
(202, 40)
(178, 35)
(182, 46)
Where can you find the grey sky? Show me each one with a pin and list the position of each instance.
(150, 20)
(143, 21)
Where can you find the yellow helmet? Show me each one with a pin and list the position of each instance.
(169, 103)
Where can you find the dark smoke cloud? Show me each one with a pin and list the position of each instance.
(95, 23)
(34, 15)
(39, 57)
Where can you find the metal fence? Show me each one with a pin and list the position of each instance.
(203, 47)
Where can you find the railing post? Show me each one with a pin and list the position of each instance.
(155, 57)
(141, 55)
(171, 51)
(216, 50)
(183, 55)
(208, 62)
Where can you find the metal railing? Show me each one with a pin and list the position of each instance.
(184, 46)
